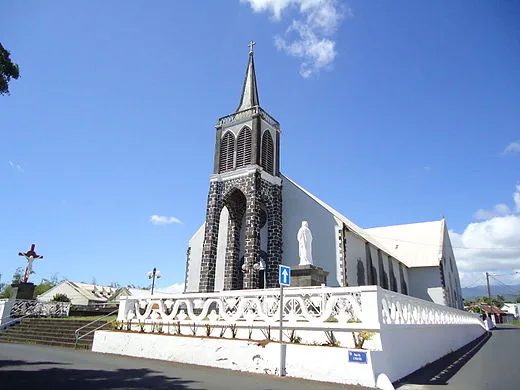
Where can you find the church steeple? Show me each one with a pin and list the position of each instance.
(245, 189)
(250, 136)
(249, 96)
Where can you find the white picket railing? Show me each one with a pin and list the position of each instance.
(366, 307)
(399, 309)
(27, 307)
(303, 308)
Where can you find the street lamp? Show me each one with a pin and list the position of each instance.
(152, 275)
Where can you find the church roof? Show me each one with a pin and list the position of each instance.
(350, 225)
(415, 244)
(249, 96)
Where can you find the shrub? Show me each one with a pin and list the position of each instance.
(60, 298)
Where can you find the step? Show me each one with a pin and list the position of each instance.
(48, 331)
(31, 327)
(81, 344)
(54, 337)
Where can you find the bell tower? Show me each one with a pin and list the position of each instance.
(246, 181)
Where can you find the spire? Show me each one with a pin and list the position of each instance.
(249, 96)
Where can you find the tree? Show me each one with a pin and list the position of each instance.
(518, 299)
(8, 70)
(60, 298)
(18, 276)
(44, 286)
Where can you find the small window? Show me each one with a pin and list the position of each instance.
(227, 149)
(244, 147)
(268, 152)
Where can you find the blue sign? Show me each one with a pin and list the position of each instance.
(357, 357)
(285, 275)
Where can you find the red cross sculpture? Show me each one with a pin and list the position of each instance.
(30, 255)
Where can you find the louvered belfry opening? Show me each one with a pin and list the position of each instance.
(227, 149)
(244, 147)
(268, 152)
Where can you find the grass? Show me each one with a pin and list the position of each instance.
(516, 322)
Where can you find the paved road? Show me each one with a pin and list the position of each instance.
(487, 364)
(24, 366)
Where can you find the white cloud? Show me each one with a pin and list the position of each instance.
(491, 245)
(310, 35)
(512, 148)
(497, 211)
(516, 198)
(163, 220)
(15, 166)
(175, 288)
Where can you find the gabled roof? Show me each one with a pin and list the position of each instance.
(90, 291)
(249, 96)
(415, 244)
(350, 225)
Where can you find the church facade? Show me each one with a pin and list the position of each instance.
(254, 213)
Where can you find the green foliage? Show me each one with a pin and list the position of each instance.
(472, 305)
(361, 337)
(331, 339)
(44, 286)
(517, 299)
(5, 290)
(18, 275)
(8, 70)
(60, 298)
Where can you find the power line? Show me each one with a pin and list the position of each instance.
(505, 285)
(437, 245)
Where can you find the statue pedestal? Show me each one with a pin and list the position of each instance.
(308, 275)
(22, 291)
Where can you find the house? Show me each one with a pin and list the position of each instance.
(80, 294)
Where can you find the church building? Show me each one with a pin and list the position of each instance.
(254, 213)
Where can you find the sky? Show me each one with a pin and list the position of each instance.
(391, 112)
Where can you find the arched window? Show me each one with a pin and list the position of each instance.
(227, 149)
(244, 147)
(268, 152)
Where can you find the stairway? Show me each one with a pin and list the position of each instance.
(50, 331)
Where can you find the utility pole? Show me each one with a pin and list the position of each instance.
(488, 287)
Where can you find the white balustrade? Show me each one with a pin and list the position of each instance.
(22, 307)
(304, 308)
(398, 309)
(348, 308)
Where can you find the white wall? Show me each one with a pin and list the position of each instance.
(64, 288)
(297, 207)
(451, 271)
(425, 283)
(193, 275)
(355, 252)
(407, 349)
(302, 361)
(221, 249)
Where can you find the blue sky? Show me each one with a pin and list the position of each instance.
(392, 112)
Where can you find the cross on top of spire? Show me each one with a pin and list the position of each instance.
(251, 45)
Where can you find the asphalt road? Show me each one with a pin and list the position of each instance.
(487, 364)
(24, 366)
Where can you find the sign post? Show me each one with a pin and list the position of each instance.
(284, 280)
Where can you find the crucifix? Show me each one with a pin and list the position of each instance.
(251, 44)
(30, 255)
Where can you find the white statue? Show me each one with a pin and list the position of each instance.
(305, 244)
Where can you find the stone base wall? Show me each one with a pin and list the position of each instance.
(244, 194)
(308, 275)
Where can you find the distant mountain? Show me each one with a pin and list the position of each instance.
(510, 292)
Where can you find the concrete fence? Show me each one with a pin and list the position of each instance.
(403, 333)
